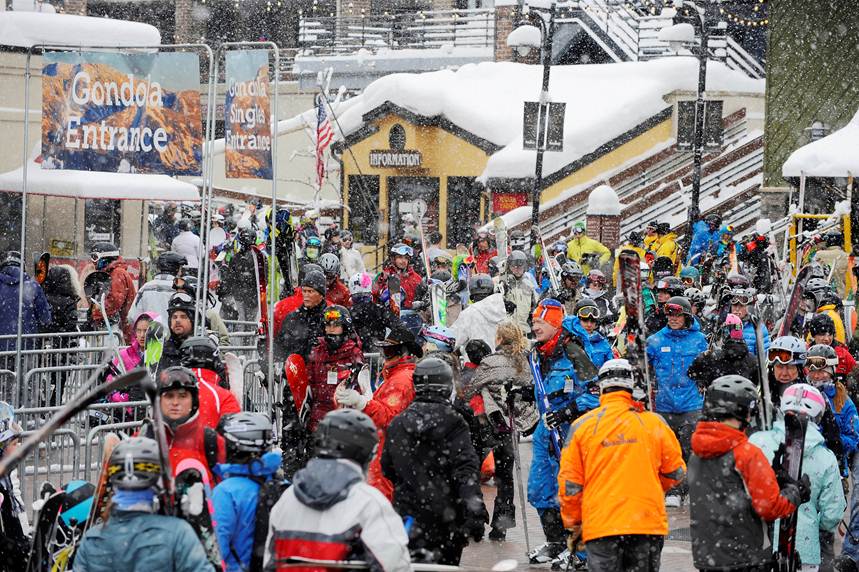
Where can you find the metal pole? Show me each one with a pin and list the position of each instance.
(546, 56)
(20, 325)
(698, 145)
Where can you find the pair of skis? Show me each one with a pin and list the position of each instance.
(633, 302)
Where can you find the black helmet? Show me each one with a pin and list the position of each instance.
(182, 301)
(671, 284)
(178, 377)
(346, 434)
(338, 315)
(441, 275)
(476, 350)
(822, 356)
(682, 304)
(663, 228)
(135, 464)
(433, 377)
(713, 220)
(587, 308)
(246, 434)
(200, 351)
(315, 280)
(833, 238)
(101, 250)
(821, 324)
(737, 280)
(730, 397)
(480, 286)
(170, 262)
(634, 238)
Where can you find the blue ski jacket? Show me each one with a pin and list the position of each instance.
(595, 344)
(751, 338)
(847, 419)
(703, 241)
(826, 506)
(235, 500)
(37, 311)
(141, 542)
(670, 353)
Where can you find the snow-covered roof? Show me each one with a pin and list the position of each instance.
(836, 155)
(27, 29)
(603, 102)
(603, 201)
(97, 185)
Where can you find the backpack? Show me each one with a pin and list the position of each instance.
(270, 492)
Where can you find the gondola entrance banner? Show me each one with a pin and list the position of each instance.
(247, 120)
(122, 112)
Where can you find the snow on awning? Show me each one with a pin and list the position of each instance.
(27, 29)
(836, 155)
(97, 185)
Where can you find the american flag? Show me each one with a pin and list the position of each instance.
(324, 135)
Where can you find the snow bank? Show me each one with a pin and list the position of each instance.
(27, 29)
(603, 201)
(603, 102)
(836, 155)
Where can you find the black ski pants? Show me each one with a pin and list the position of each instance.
(683, 425)
(625, 553)
(504, 511)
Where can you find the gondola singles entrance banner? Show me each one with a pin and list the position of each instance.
(247, 121)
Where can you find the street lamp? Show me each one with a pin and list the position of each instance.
(522, 39)
(678, 35)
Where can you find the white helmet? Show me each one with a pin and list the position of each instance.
(9, 427)
(616, 373)
(360, 283)
(805, 399)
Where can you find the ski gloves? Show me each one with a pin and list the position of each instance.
(797, 491)
(574, 536)
(557, 417)
(476, 517)
(350, 398)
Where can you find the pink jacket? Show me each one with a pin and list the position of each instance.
(132, 356)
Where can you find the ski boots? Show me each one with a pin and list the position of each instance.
(546, 552)
(567, 560)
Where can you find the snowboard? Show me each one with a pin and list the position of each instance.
(194, 492)
(41, 269)
(543, 401)
(395, 293)
(156, 333)
(45, 532)
(438, 299)
(787, 557)
(233, 364)
(94, 392)
(633, 303)
(103, 490)
(296, 407)
(794, 301)
(167, 494)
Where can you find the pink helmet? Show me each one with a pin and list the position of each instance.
(734, 326)
(805, 399)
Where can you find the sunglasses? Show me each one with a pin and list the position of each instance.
(674, 310)
(588, 312)
(816, 363)
(783, 357)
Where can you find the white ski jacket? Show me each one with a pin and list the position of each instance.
(188, 245)
(480, 320)
(351, 263)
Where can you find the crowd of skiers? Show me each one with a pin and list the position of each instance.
(478, 348)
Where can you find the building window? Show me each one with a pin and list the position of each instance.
(463, 210)
(103, 222)
(397, 138)
(363, 214)
(10, 237)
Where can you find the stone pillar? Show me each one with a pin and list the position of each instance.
(603, 216)
(187, 31)
(504, 20)
(774, 202)
(76, 7)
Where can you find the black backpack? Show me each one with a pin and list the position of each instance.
(270, 492)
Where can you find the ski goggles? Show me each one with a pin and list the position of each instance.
(403, 250)
(687, 280)
(784, 357)
(819, 362)
(588, 313)
(741, 299)
(332, 315)
(674, 310)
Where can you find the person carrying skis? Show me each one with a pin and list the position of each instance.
(435, 471)
(201, 355)
(617, 463)
(187, 283)
(302, 328)
(726, 244)
(670, 353)
(587, 313)
(335, 357)
(826, 503)
(518, 287)
(733, 491)
(586, 251)
(119, 298)
(821, 330)
(154, 296)
(248, 479)
(14, 543)
(834, 257)
(705, 235)
(135, 537)
(392, 396)
(479, 320)
(330, 512)
(399, 266)
(181, 313)
(741, 299)
(336, 292)
(483, 252)
(571, 281)
(568, 399)
(732, 358)
(244, 276)
(370, 318)
(596, 288)
(655, 320)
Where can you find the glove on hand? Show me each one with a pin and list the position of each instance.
(475, 521)
(509, 307)
(350, 398)
(556, 418)
(796, 491)
(574, 534)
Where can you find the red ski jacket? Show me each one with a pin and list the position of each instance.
(188, 441)
(120, 298)
(323, 370)
(215, 401)
(286, 307)
(338, 294)
(409, 282)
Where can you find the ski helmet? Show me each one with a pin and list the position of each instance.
(690, 272)
(579, 228)
(312, 247)
(663, 228)
(517, 259)
(677, 306)
(200, 351)
(733, 327)
(103, 253)
(135, 464)
(730, 397)
(571, 269)
(821, 324)
(400, 338)
(77, 503)
(180, 378)
(822, 356)
(401, 249)
(314, 280)
(13, 258)
(476, 350)
(787, 350)
(440, 276)
(737, 280)
(182, 302)
(713, 220)
(596, 277)
(330, 264)
(480, 286)
(616, 373)
(695, 297)
(442, 259)
(9, 428)
(360, 283)
(433, 377)
(670, 284)
(170, 262)
(743, 296)
(803, 399)
(337, 315)
(816, 285)
(586, 308)
(346, 235)
(246, 434)
(442, 338)
(346, 434)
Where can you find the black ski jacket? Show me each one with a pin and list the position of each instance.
(733, 358)
(300, 331)
(371, 320)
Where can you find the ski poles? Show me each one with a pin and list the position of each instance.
(517, 462)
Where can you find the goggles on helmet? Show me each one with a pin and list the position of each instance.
(687, 280)
(588, 312)
(403, 250)
(332, 315)
(817, 363)
(741, 299)
(674, 310)
(780, 356)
